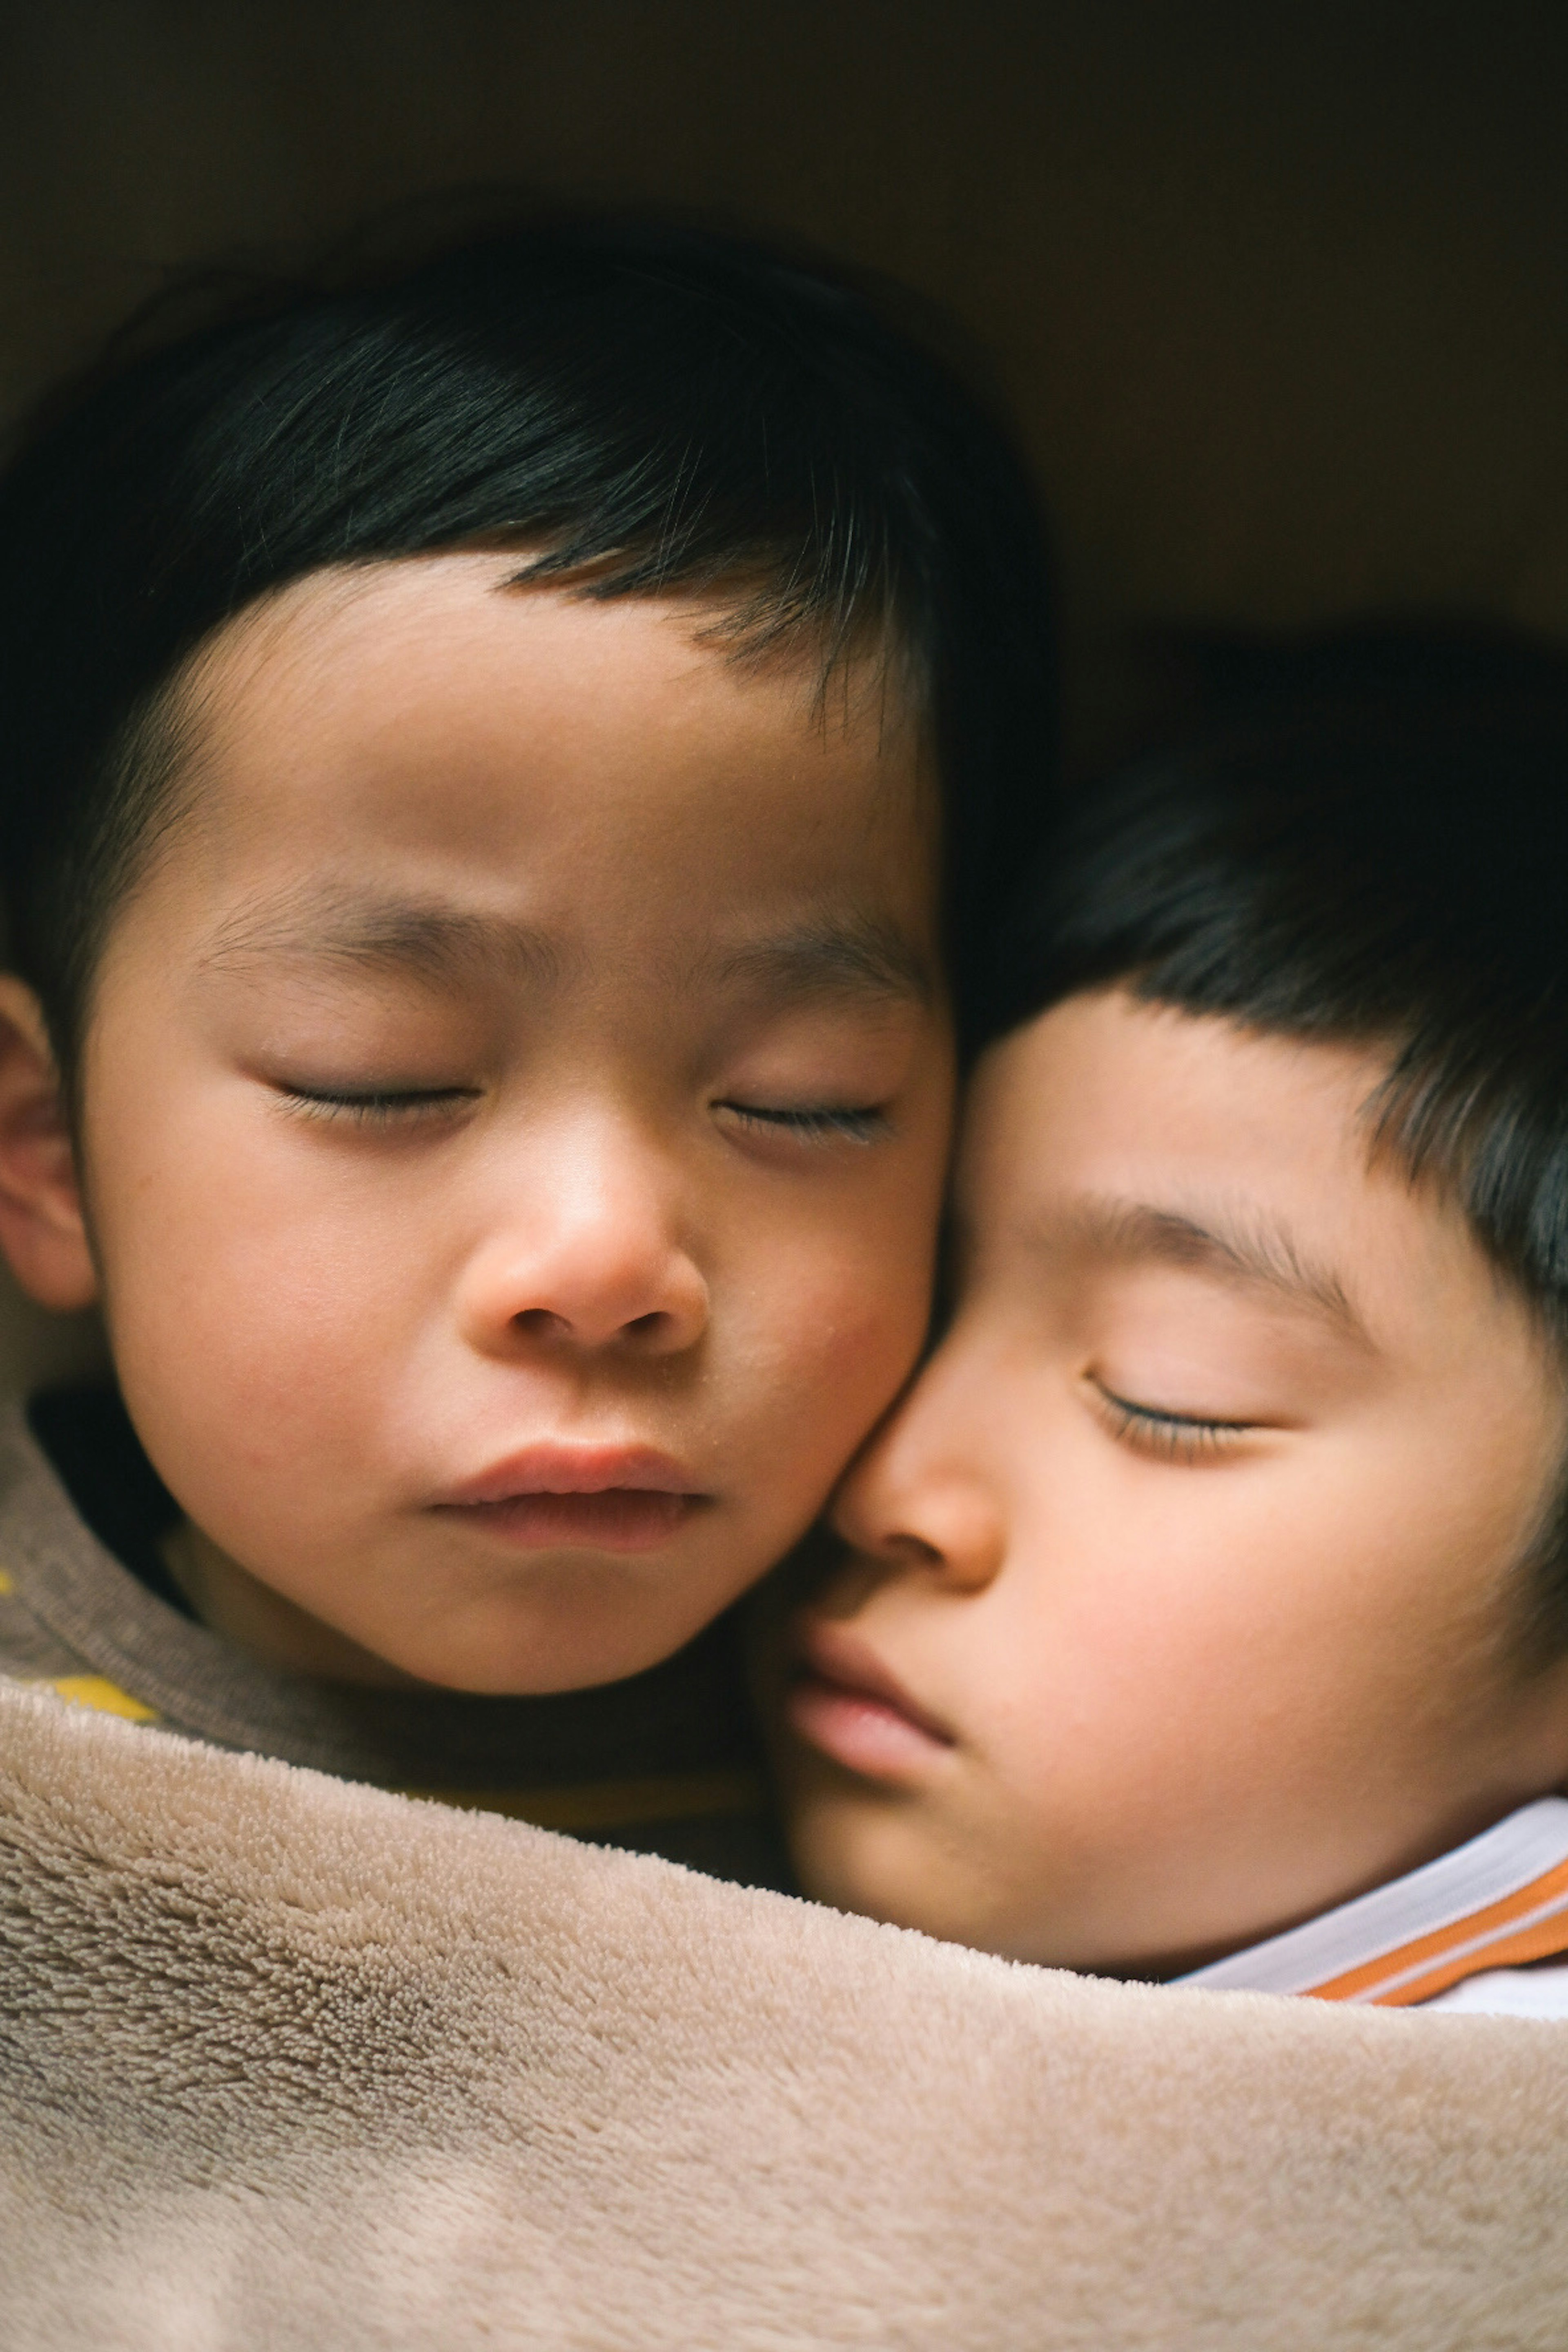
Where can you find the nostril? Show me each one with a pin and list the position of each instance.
(541, 1323)
(915, 1551)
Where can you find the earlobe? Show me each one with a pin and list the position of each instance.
(42, 1229)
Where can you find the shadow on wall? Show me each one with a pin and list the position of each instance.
(1278, 294)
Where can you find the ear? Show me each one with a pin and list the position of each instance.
(42, 1229)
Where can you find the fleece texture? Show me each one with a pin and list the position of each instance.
(293, 2064)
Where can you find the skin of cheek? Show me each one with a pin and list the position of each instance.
(293, 1504)
(1172, 1760)
(295, 1378)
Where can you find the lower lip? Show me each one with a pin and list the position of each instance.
(619, 1518)
(862, 1732)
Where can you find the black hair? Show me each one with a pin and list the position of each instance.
(645, 406)
(1372, 849)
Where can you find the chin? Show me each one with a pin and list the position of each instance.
(536, 1644)
(859, 1856)
(537, 1672)
(878, 1856)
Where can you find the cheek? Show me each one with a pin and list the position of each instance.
(834, 1326)
(1143, 1629)
(830, 1307)
(244, 1296)
(1225, 1631)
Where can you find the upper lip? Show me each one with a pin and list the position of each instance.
(831, 1651)
(562, 1469)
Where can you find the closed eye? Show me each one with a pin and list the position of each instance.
(375, 1106)
(1172, 1436)
(812, 1125)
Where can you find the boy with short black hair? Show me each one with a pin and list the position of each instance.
(499, 767)
(1207, 1610)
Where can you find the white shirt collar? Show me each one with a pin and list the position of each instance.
(1496, 1902)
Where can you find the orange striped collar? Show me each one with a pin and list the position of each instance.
(1497, 1902)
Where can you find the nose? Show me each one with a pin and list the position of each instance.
(922, 1496)
(587, 1254)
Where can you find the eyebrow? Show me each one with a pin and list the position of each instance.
(1251, 1251)
(822, 958)
(829, 957)
(356, 931)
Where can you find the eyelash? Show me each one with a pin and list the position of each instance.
(374, 1110)
(824, 1126)
(1172, 1436)
(387, 1110)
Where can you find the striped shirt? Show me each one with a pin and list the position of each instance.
(1477, 1929)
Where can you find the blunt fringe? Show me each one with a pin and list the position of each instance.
(640, 407)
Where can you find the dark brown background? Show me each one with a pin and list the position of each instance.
(1278, 292)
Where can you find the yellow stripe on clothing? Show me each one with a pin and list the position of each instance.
(580, 1805)
(96, 1691)
(608, 1804)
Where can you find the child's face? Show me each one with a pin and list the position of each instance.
(523, 1073)
(1182, 1580)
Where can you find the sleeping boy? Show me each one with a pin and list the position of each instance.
(1204, 1609)
(501, 768)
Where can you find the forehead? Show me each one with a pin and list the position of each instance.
(1140, 1134)
(1105, 1083)
(433, 721)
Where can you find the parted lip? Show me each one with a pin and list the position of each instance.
(833, 1654)
(557, 1469)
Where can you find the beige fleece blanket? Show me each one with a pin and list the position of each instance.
(291, 2063)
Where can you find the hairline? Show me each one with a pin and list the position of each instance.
(157, 743)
